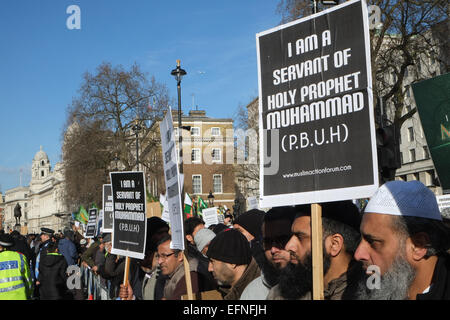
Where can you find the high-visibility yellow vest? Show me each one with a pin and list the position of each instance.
(15, 278)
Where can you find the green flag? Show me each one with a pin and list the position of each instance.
(433, 103)
(187, 205)
(82, 215)
(201, 205)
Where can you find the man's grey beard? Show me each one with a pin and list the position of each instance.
(394, 284)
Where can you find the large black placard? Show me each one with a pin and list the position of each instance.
(129, 219)
(91, 227)
(317, 132)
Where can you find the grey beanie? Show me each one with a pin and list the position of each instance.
(203, 237)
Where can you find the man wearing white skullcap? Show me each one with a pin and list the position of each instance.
(403, 241)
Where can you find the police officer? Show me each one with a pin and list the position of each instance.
(46, 237)
(15, 278)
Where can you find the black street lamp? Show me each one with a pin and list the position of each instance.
(324, 2)
(116, 161)
(210, 199)
(178, 73)
(136, 128)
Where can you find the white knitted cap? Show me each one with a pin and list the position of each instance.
(400, 198)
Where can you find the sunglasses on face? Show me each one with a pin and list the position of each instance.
(277, 242)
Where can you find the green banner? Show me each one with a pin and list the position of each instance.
(433, 103)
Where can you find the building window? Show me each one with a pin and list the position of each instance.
(197, 184)
(195, 155)
(401, 158)
(217, 183)
(412, 154)
(215, 132)
(216, 154)
(411, 133)
(42, 162)
(195, 131)
(426, 152)
(42, 173)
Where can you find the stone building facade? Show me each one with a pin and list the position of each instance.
(41, 202)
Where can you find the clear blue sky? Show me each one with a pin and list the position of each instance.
(42, 61)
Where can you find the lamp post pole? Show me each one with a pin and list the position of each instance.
(136, 129)
(178, 73)
(315, 6)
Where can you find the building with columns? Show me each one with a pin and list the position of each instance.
(42, 203)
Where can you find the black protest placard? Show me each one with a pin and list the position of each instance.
(107, 208)
(317, 130)
(129, 218)
(91, 226)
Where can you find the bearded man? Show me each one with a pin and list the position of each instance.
(340, 223)
(403, 245)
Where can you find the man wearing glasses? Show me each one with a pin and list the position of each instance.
(276, 232)
(171, 263)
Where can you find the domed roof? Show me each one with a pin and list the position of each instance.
(40, 155)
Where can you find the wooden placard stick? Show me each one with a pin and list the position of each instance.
(127, 271)
(187, 275)
(317, 249)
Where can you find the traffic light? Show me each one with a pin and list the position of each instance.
(388, 147)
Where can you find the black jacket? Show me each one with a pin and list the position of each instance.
(205, 278)
(440, 283)
(21, 245)
(53, 277)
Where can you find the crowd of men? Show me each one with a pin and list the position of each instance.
(396, 248)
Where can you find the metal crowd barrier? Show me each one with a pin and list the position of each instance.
(97, 287)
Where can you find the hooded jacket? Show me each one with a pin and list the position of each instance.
(53, 277)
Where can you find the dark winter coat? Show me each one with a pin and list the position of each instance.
(68, 250)
(89, 255)
(53, 277)
(440, 283)
(21, 245)
(206, 279)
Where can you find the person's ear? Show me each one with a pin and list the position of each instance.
(334, 244)
(418, 244)
(189, 238)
